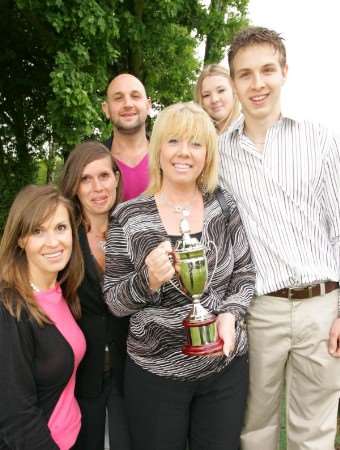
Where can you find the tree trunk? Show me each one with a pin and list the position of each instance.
(136, 52)
(217, 7)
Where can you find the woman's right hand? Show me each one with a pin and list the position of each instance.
(160, 267)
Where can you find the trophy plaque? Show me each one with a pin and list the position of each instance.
(200, 324)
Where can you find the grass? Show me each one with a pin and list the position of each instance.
(337, 441)
(283, 430)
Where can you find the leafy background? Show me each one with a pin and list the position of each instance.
(57, 56)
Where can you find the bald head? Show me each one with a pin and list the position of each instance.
(126, 104)
(125, 80)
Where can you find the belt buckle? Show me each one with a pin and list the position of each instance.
(321, 285)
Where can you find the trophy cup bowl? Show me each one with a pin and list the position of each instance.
(200, 324)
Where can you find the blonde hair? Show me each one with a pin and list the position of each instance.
(31, 207)
(188, 121)
(217, 70)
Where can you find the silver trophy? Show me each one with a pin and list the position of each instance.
(200, 324)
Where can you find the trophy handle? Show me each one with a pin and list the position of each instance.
(172, 258)
(209, 245)
(179, 290)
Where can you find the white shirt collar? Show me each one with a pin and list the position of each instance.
(238, 125)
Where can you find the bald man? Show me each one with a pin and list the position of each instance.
(127, 107)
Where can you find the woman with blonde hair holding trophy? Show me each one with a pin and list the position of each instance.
(178, 263)
(215, 93)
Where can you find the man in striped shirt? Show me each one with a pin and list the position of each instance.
(285, 177)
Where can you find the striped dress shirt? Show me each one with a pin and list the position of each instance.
(289, 200)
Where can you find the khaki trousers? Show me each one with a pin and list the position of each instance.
(288, 347)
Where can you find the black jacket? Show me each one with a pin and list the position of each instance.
(31, 380)
(100, 328)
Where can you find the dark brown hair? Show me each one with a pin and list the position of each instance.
(82, 155)
(31, 207)
(256, 36)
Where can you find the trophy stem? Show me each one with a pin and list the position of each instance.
(198, 312)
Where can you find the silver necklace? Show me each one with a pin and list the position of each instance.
(101, 243)
(183, 209)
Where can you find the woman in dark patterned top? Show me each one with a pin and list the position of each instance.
(172, 397)
(92, 181)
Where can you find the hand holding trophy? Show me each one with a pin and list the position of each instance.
(200, 325)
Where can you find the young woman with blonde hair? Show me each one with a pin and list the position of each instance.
(214, 92)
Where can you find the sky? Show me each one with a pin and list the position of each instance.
(312, 90)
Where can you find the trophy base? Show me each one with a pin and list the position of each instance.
(202, 337)
(206, 349)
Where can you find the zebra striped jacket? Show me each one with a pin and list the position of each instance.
(156, 333)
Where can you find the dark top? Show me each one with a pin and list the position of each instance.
(108, 142)
(156, 333)
(36, 365)
(100, 328)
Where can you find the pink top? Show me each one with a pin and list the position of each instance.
(135, 179)
(65, 420)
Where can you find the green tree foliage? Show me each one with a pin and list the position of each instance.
(57, 55)
(24, 79)
(158, 45)
(226, 17)
(82, 37)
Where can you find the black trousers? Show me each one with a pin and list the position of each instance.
(165, 414)
(94, 410)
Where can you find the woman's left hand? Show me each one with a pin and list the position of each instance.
(226, 330)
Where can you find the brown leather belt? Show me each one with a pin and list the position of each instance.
(299, 293)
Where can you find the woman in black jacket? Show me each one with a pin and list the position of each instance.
(91, 180)
(41, 344)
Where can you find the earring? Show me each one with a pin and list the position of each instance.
(202, 185)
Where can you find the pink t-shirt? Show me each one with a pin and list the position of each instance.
(135, 179)
(65, 420)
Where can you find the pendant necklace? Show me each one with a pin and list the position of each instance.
(102, 245)
(183, 209)
(101, 242)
